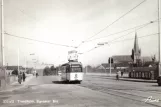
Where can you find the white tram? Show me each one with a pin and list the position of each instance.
(72, 71)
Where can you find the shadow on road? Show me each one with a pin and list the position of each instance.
(64, 82)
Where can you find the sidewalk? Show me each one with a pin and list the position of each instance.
(131, 79)
(124, 78)
(137, 80)
(15, 85)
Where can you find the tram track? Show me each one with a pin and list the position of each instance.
(149, 90)
(118, 93)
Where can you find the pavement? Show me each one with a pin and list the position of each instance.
(15, 85)
(94, 91)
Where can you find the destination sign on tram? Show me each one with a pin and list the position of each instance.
(72, 55)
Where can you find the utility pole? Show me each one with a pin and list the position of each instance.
(18, 60)
(159, 65)
(2, 34)
(86, 69)
(25, 63)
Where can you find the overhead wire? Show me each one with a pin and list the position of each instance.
(129, 33)
(114, 21)
(151, 22)
(37, 40)
(123, 35)
(33, 18)
(113, 42)
(134, 38)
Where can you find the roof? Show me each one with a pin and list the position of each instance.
(105, 65)
(122, 58)
(124, 64)
(100, 67)
(13, 67)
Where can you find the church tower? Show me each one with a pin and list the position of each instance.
(136, 52)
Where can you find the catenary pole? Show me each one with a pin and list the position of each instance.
(18, 60)
(159, 38)
(2, 34)
(110, 66)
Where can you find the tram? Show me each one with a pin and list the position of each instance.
(72, 72)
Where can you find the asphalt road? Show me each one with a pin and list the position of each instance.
(95, 91)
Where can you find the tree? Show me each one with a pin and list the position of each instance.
(52, 68)
(46, 71)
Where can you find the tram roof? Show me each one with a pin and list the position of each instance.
(71, 63)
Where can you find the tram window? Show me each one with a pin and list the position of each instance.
(76, 69)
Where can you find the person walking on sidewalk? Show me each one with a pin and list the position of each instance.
(122, 73)
(24, 76)
(117, 75)
(20, 78)
(37, 74)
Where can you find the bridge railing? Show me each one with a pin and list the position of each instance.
(143, 72)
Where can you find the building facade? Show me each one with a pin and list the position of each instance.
(125, 61)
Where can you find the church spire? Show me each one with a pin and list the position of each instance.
(136, 52)
(136, 45)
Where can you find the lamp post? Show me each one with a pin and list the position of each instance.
(110, 66)
(18, 53)
(159, 39)
(102, 44)
(32, 54)
(2, 35)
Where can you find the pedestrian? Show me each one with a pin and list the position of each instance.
(122, 73)
(37, 74)
(20, 78)
(117, 75)
(24, 76)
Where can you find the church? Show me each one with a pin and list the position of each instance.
(124, 61)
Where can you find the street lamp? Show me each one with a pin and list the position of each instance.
(80, 53)
(159, 39)
(34, 59)
(103, 43)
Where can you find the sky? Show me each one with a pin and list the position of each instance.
(69, 22)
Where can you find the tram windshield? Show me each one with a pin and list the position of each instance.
(76, 69)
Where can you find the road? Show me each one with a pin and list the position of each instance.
(94, 91)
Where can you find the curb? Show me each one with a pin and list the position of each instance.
(147, 81)
(135, 80)
(126, 79)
